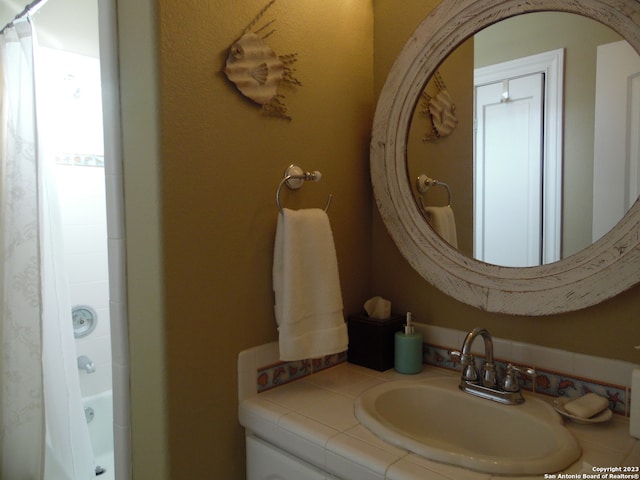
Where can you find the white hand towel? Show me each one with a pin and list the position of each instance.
(308, 300)
(443, 222)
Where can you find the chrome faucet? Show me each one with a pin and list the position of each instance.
(485, 383)
(86, 364)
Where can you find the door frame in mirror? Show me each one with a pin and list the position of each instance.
(600, 271)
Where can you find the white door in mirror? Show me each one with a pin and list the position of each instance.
(509, 116)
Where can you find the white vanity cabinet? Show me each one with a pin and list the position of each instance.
(267, 462)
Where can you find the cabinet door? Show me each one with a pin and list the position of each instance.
(266, 462)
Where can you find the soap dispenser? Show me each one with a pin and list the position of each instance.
(408, 349)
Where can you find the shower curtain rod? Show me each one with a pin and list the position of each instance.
(30, 9)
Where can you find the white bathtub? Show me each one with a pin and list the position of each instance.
(101, 435)
(101, 431)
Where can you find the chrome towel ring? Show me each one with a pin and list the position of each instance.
(294, 177)
(423, 183)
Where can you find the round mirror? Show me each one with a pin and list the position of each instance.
(429, 120)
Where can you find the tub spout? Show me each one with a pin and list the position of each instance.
(86, 364)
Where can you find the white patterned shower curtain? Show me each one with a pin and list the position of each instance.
(41, 416)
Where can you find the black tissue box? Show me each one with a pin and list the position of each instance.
(371, 341)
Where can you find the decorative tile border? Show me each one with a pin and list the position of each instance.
(280, 373)
(547, 382)
(607, 380)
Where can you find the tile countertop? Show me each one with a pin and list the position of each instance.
(312, 418)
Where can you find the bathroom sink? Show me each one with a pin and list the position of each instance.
(436, 420)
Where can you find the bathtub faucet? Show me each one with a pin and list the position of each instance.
(485, 383)
(86, 364)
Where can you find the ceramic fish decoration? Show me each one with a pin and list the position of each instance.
(257, 71)
(440, 109)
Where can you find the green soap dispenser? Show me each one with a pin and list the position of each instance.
(408, 349)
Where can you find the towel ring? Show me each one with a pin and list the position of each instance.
(423, 183)
(294, 177)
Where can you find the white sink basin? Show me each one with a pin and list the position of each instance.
(435, 420)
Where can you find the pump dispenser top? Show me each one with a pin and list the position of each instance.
(408, 328)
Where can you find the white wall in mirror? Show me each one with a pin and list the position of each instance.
(616, 155)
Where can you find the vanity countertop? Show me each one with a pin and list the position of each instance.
(312, 418)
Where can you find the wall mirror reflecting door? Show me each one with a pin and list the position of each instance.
(594, 273)
(541, 141)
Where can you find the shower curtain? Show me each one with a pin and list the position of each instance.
(43, 427)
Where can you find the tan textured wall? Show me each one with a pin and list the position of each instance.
(448, 159)
(221, 163)
(608, 330)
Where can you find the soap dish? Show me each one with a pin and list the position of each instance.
(603, 416)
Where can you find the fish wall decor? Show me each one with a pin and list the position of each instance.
(440, 109)
(257, 71)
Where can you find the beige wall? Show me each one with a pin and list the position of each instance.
(201, 168)
(449, 159)
(221, 161)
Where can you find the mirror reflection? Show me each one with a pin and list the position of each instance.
(525, 130)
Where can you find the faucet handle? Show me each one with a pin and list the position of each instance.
(510, 382)
(465, 359)
(455, 355)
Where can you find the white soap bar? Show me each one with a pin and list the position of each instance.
(586, 406)
(634, 421)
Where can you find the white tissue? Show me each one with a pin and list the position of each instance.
(378, 307)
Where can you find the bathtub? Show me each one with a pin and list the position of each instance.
(99, 412)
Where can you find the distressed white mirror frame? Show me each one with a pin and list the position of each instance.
(600, 271)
